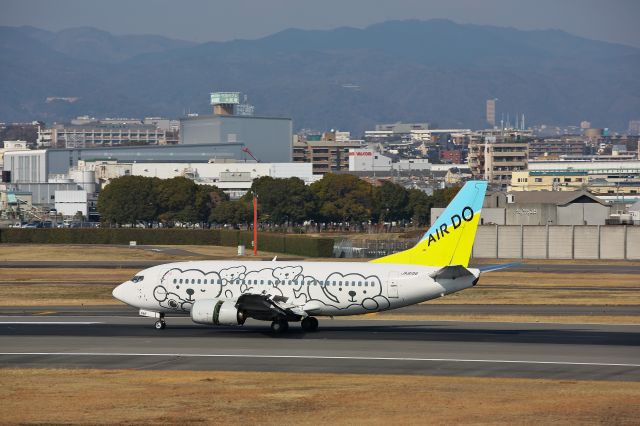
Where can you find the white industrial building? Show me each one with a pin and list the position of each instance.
(69, 203)
(369, 160)
(235, 178)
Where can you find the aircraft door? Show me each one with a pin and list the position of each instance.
(392, 285)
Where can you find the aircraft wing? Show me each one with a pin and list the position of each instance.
(491, 268)
(266, 306)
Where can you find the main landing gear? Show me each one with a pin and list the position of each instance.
(281, 325)
(309, 324)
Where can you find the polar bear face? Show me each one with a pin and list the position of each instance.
(261, 281)
(192, 283)
(230, 274)
(170, 300)
(346, 290)
(286, 273)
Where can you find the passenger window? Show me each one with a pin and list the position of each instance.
(205, 280)
(180, 280)
(175, 280)
(261, 281)
(198, 281)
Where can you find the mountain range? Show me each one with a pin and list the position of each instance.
(434, 71)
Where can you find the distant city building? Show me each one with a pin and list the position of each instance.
(611, 178)
(496, 159)
(401, 128)
(323, 151)
(364, 159)
(36, 166)
(555, 147)
(634, 127)
(451, 156)
(234, 178)
(491, 112)
(585, 125)
(548, 180)
(86, 132)
(269, 139)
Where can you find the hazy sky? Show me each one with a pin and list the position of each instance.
(214, 20)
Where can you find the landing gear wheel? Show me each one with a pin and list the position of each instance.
(160, 325)
(309, 324)
(279, 326)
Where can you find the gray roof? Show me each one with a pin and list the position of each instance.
(559, 198)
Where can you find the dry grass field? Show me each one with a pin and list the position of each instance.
(191, 397)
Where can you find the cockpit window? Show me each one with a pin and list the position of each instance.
(137, 278)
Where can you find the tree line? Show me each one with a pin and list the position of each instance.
(336, 198)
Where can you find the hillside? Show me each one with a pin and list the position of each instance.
(435, 71)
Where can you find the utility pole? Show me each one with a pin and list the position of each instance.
(255, 224)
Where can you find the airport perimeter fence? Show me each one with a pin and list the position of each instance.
(611, 242)
(370, 249)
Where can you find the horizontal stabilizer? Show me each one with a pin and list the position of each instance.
(491, 268)
(450, 273)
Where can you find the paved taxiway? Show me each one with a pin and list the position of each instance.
(559, 351)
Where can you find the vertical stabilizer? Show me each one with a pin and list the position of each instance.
(450, 239)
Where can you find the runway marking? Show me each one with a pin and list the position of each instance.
(322, 357)
(51, 322)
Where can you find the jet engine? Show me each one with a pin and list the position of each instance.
(216, 312)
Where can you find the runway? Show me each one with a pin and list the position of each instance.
(420, 309)
(554, 351)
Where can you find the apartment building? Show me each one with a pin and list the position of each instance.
(326, 156)
(496, 159)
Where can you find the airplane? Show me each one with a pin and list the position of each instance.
(229, 292)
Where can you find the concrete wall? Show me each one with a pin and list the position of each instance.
(557, 242)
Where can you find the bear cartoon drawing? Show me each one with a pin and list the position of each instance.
(231, 280)
(170, 300)
(259, 282)
(190, 282)
(351, 290)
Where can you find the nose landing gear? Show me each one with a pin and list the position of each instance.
(160, 324)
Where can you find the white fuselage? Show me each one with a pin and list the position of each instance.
(319, 288)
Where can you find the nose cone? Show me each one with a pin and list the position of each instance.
(123, 293)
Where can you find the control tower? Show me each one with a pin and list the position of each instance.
(224, 102)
